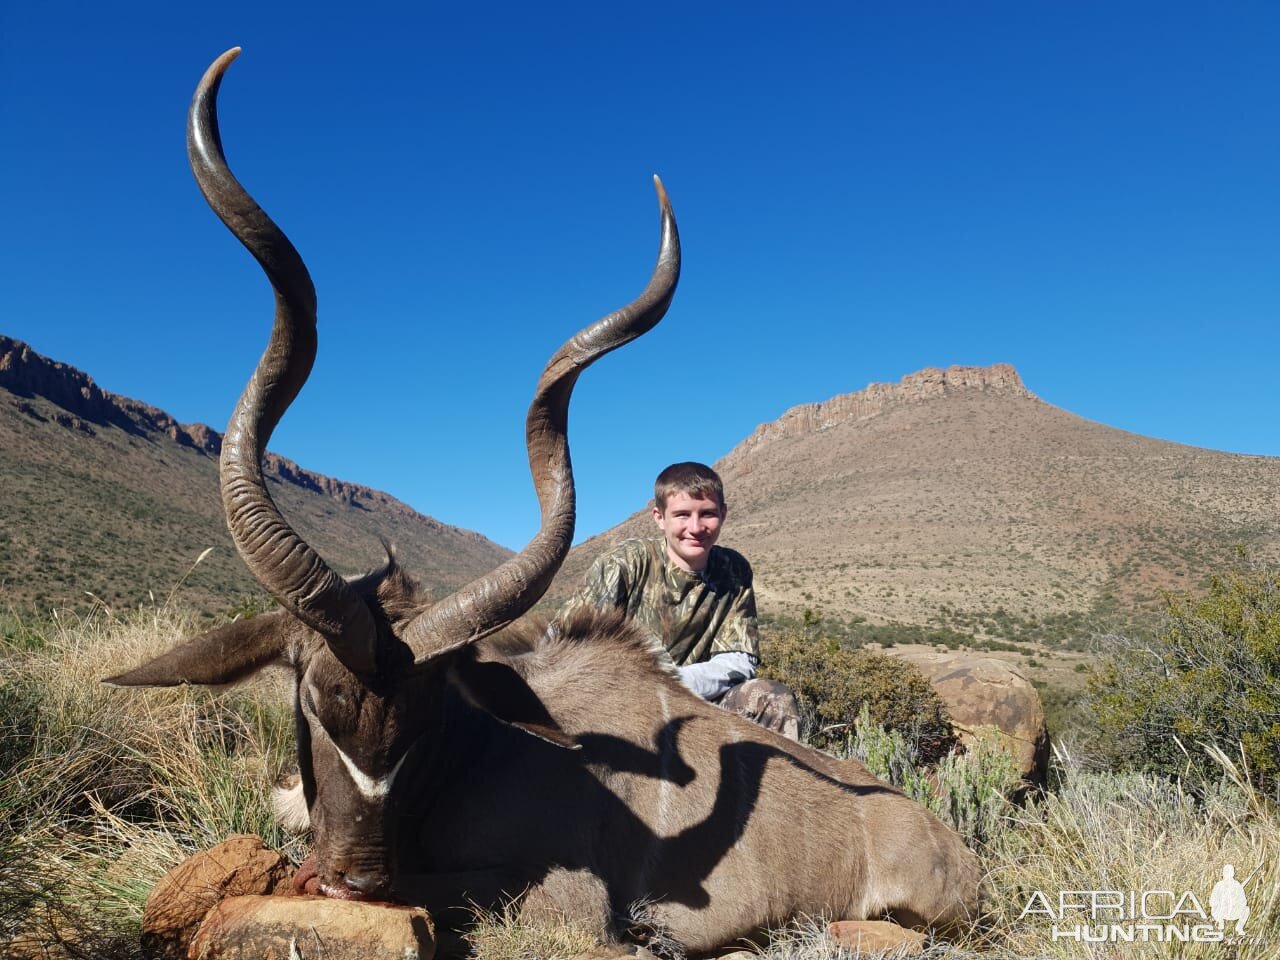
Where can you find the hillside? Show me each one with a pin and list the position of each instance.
(959, 499)
(107, 496)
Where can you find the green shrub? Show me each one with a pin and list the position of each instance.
(833, 684)
(970, 789)
(967, 790)
(1210, 677)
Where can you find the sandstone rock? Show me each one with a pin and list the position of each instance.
(988, 694)
(281, 928)
(874, 399)
(179, 902)
(877, 936)
(768, 703)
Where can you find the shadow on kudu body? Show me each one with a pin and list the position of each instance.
(447, 758)
(720, 826)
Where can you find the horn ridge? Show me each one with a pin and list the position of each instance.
(491, 602)
(289, 569)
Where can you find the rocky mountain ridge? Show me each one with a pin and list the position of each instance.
(958, 502)
(111, 498)
(26, 374)
(931, 383)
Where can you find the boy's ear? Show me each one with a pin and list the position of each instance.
(657, 515)
(222, 655)
(501, 692)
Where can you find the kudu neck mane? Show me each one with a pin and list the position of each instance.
(577, 662)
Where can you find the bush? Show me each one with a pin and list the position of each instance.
(832, 685)
(967, 790)
(1210, 677)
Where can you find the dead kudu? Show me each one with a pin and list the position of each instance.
(449, 759)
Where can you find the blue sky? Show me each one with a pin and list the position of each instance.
(1085, 190)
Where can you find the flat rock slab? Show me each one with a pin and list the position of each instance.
(877, 936)
(238, 866)
(306, 928)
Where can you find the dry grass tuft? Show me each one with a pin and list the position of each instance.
(505, 936)
(111, 788)
(1137, 832)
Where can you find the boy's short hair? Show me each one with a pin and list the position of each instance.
(691, 478)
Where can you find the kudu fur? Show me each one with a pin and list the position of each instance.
(447, 761)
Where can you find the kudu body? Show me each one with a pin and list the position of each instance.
(448, 761)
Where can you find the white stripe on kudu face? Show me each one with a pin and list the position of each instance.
(372, 788)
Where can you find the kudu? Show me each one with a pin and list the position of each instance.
(446, 763)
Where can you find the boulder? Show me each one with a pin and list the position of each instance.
(984, 693)
(282, 928)
(237, 866)
(877, 936)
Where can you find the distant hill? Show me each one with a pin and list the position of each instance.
(105, 495)
(957, 499)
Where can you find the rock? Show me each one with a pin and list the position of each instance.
(768, 703)
(988, 694)
(179, 902)
(874, 399)
(281, 928)
(877, 936)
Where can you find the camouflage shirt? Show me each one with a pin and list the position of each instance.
(693, 615)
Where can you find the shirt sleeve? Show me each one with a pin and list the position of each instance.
(740, 630)
(712, 678)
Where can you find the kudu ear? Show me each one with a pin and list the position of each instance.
(501, 692)
(222, 655)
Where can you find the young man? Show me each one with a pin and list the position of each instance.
(690, 595)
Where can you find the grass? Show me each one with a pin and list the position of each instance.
(108, 789)
(505, 936)
(1135, 832)
(105, 790)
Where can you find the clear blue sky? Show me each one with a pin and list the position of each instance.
(1089, 191)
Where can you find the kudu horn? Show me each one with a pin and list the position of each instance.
(276, 555)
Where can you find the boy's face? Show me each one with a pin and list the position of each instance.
(691, 526)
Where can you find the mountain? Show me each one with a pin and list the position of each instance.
(956, 499)
(107, 496)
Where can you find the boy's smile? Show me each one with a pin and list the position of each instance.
(690, 525)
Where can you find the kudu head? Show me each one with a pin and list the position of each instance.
(371, 660)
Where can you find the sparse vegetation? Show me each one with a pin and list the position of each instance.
(105, 790)
(1211, 676)
(115, 517)
(833, 685)
(966, 789)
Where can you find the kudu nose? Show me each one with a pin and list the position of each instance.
(365, 886)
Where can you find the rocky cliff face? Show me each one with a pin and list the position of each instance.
(928, 384)
(88, 407)
(26, 373)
